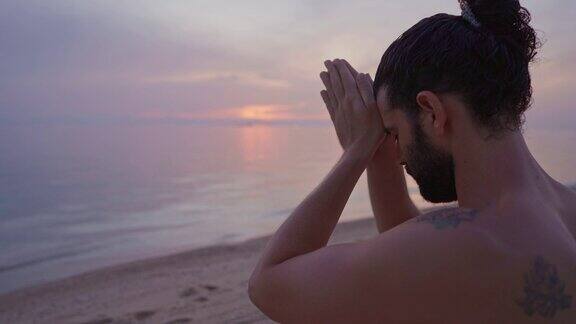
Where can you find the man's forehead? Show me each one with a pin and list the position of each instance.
(382, 100)
(385, 111)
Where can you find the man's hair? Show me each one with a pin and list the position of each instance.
(486, 65)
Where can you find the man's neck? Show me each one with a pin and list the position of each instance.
(488, 171)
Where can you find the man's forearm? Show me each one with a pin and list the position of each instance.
(389, 196)
(311, 224)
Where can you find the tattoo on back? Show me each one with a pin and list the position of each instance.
(544, 291)
(449, 217)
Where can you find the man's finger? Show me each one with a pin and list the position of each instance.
(366, 91)
(326, 99)
(371, 82)
(325, 77)
(328, 84)
(337, 86)
(347, 79)
(352, 70)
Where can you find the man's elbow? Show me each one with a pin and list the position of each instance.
(255, 284)
(255, 291)
(260, 298)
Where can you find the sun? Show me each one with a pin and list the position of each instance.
(261, 112)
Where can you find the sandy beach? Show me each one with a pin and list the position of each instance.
(207, 285)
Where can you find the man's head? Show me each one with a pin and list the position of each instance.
(445, 72)
(430, 163)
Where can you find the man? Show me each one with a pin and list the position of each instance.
(447, 103)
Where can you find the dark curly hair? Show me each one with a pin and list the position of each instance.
(487, 66)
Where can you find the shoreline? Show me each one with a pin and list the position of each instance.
(207, 285)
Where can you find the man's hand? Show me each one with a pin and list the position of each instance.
(352, 106)
(388, 150)
(389, 196)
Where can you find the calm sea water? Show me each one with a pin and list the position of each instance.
(75, 198)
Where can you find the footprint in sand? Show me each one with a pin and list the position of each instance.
(188, 292)
(210, 287)
(201, 299)
(142, 315)
(180, 321)
(106, 320)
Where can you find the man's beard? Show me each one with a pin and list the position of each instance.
(431, 168)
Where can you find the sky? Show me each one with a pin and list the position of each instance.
(186, 60)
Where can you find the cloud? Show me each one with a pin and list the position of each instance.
(239, 77)
(123, 58)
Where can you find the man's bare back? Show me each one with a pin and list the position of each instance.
(521, 256)
(537, 233)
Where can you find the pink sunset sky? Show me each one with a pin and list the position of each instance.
(144, 60)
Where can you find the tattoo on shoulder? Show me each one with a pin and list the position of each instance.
(544, 291)
(449, 217)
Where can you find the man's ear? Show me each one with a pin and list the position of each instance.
(434, 112)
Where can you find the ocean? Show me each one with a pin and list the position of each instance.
(78, 197)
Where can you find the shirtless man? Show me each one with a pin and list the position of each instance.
(447, 103)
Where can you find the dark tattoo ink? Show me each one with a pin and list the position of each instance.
(449, 217)
(544, 291)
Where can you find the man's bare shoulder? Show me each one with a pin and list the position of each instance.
(447, 238)
(440, 236)
(447, 218)
(441, 226)
(452, 255)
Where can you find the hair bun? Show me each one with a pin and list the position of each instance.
(508, 20)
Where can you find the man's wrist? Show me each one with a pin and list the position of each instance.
(359, 154)
(388, 173)
(379, 162)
